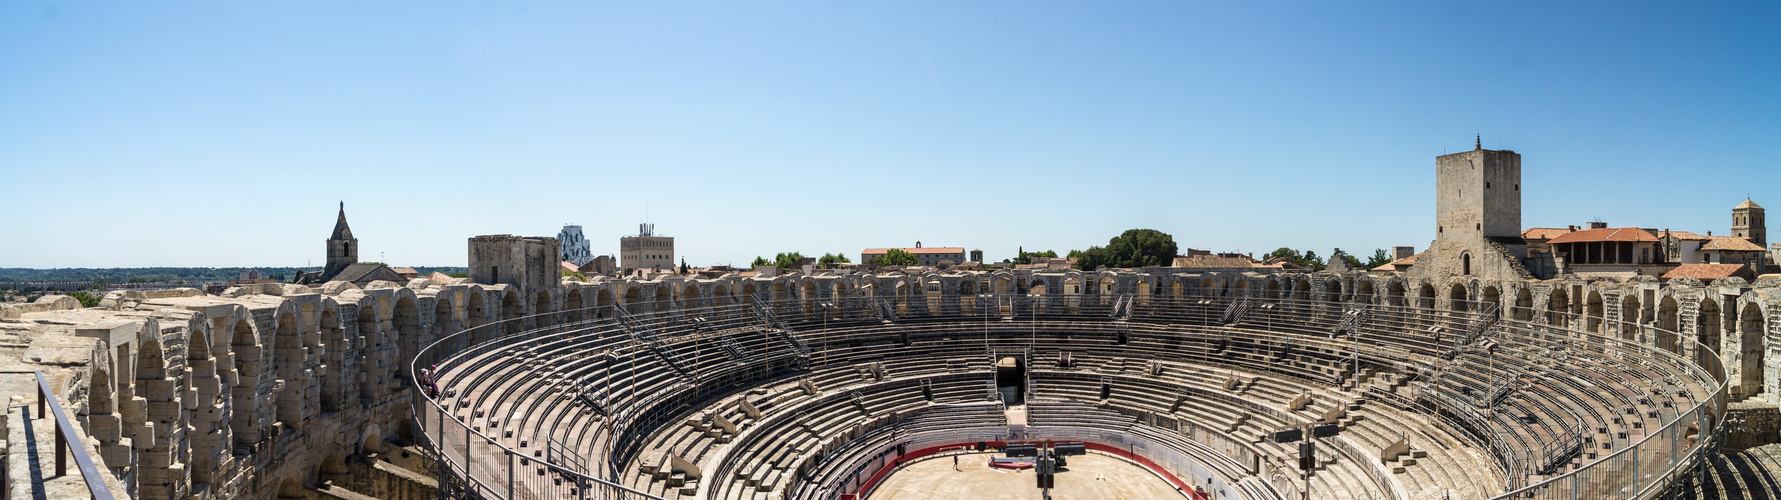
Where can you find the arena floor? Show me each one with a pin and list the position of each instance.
(934, 479)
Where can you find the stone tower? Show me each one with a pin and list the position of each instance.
(343, 249)
(1477, 217)
(1747, 222)
(1478, 195)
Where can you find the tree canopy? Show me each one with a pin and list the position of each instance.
(1133, 248)
(830, 259)
(1026, 257)
(895, 257)
(1379, 258)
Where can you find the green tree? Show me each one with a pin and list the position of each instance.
(1353, 263)
(1285, 252)
(86, 299)
(1026, 257)
(830, 259)
(760, 261)
(785, 260)
(895, 257)
(683, 266)
(1133, 248)
(1379, 258)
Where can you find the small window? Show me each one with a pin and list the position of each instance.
(1517, 187)
(1440, 229)
(1486, 184)
(1480, 226)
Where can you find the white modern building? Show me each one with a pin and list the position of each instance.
(575, 246)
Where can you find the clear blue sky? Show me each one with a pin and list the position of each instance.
(224, 133)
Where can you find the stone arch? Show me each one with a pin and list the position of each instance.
(287, 343)
(807, 295)
(474, 309)
(370, 338)
(244, 344)
(407, 321)
(1592, 310)
(1394, 293)
(1072, 292)
(1524, 304)
(1332, 289)
(444, 322)
(335, 336)
(1240, 287)
(1668, 324)
(900, 291)
(371, 440)
(779, 292)
(1465, 263)
(572, 304)
(1750, 349)
(1363, 291)
(1630, 316)
(510, 307)
(1457, 299)
(1558, 307)
(1208, 286)
(1425, 296)
(1271, 288)
(934, 291)
(603, 302)
(1301, 289)
(1707, 327)
(748, 293)
(291, 489)
(633, 297)
(690, 297)
(1493, 297)
(664, 296)
(721, 295)
(540, 307)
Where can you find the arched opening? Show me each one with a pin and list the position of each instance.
(633, 297)
(748, 293)
(1592, 308)
(1332, 290)
(1240, 288)
(664, 296)
(968, 295)
(1493, 298)
(336, 338)
(902, 296)
(1707, 330)
(1143, 293)
(1630, 316)
(721, 295)
(1465, 264)
(407, 321)
(151, 369)
(245, 347)
(290, 489)
(603, 303)
(1208, 287)
(371, 339)
(541, 307)
(1425, 297)
(933, 290)
(807, 294)
(1363, 291)
(1301, 290)
(510, 310)
(1456, 298)
(572, 305)
(1177, 289)
(475, 311)
(690, 298)
(1524, 305)
(1750, 339)
(779, 292)
(1394, 294)
(1271, 289)
(1558, 308)
(1107, 284)
(288, 405)
(1072, 293)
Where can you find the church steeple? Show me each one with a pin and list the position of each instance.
(343, 249)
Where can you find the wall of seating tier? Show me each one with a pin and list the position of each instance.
(518, 409)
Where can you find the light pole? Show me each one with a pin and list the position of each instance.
(827, 307)
(981, 299)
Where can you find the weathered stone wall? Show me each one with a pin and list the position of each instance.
(249, 393)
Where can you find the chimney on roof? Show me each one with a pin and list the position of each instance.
(1598, 225)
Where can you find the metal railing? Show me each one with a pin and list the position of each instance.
(89, 471)
(1393, 335)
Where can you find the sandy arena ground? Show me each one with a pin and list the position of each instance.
(934, 479)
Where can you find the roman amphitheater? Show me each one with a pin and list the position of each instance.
(1463, 377)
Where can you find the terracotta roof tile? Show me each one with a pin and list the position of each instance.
(1704, 271)
(1731, 243)
(1685, 235)
(918, 251)
(1621, 234)
(1544, 233)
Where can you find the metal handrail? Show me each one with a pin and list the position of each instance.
(89, 471)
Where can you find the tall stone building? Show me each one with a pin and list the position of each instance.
(343, 249)
(1747, 222)
(528, 263)
(645, 250)
(575, 246)
(1477, 217)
